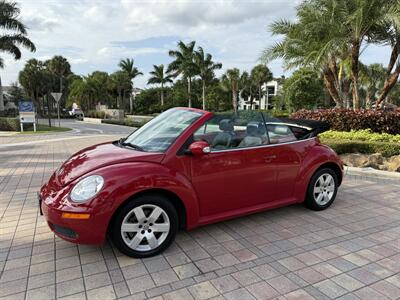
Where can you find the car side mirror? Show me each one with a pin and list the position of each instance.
(199, 148)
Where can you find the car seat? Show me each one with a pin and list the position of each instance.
(254, 134)
(223, 139)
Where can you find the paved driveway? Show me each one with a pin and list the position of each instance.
(349, 251)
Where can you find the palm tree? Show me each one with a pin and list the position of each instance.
(260, 74)
(205, 67)
(159, 76)
(10, 42)
(60, 67)
(184, 64)
(390, 37)
(358, 18)
(314, 41)
(120, 82)
(372, 78)
(127, 65)
(231, 80)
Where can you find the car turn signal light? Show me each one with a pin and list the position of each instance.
(75, 216)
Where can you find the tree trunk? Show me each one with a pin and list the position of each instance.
(189, 91)
(234, 100)
(355, 55)
(1, 97)
(162, 94)
(391, 79)
(390, 82)
(204, 94)
(330, 86)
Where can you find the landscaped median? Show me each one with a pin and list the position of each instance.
(13, 124)
(363, 148)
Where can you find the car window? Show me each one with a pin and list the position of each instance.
(280, 133)
(227, 131)
(158, 134)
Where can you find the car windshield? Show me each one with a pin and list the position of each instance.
(158, 134)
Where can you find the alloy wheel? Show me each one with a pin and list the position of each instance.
(324, 189)
(145, 227)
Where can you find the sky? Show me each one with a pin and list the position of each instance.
(95, 35)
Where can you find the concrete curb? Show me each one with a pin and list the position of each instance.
(91, 120)
(370, 172)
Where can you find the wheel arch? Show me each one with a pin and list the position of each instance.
(333, 166)
(171, 196)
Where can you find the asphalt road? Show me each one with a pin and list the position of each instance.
(83, 128)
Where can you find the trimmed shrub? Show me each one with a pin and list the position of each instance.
(96, 114)
(9, 124)
(125, 122)
(380, 121)
(387, 149)
(361, 135)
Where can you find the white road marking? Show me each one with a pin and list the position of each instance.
(52, 140)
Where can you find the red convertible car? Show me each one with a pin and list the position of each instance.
(186, 168)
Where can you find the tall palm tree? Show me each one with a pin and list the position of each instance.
(359, 17)
(372, 78)
(13, 36)
(60, 67)
(205, 67)
(184, 64)
(120, 82)
(128, 65)
(390, 37)
(231, 80)
(159, 76)
(260, 74)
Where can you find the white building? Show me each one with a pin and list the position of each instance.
(269, 89)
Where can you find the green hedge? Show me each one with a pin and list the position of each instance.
(387, 149)
(125, 122)
(9, 124)
(380, 121)
(361, 135)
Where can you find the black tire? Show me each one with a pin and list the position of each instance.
(311, 201)
(152, 200)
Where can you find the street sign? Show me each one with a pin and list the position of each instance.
(26, 114)
(57, 97)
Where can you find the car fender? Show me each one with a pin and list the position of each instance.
(312, 161)
(125, 180)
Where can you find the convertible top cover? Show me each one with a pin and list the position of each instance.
(315, 127)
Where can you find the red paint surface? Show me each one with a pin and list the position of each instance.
(212, 187)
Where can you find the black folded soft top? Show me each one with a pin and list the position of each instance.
(313, 126)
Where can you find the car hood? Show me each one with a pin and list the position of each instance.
(98, 156)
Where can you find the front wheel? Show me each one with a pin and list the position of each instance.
(322, 189)
(145, 226)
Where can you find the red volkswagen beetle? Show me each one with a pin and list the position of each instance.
(184, 169)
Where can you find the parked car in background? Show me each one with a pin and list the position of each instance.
(187, 168)
(77, 113)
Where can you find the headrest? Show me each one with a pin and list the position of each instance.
(255, 129)
(226, 125)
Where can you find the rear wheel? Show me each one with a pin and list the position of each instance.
(145, 226)
(322, 189)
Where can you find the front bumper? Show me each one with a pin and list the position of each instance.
(81, 231)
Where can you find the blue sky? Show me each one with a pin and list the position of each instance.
(95, 35)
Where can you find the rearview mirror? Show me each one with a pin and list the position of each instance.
(199, 148)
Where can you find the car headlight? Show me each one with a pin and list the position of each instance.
(87, 188)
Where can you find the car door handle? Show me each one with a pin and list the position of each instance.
(269, 158)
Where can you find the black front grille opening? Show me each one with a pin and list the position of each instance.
(64, 231)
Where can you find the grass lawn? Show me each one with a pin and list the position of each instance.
(40, 128)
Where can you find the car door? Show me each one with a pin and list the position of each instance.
(232, 179)
(288, 155)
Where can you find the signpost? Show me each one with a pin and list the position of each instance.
(57, 97)
(26, 114)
